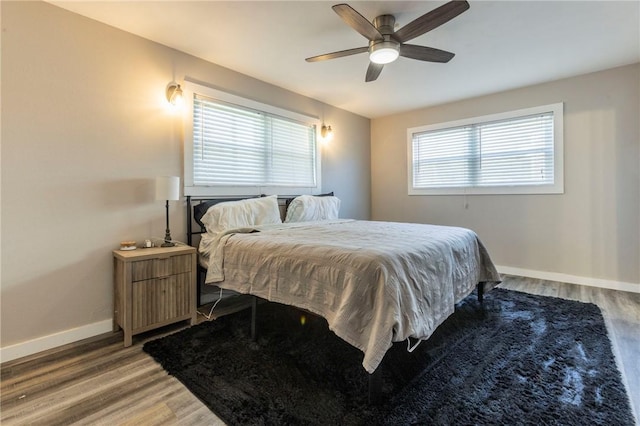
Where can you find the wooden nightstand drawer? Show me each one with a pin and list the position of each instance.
(157, 300)
(160, 267)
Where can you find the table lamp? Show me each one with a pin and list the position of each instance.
(167, 188)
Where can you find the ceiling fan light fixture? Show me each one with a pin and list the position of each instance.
(384, 52)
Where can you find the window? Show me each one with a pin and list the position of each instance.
(519, 152)
(235, 146)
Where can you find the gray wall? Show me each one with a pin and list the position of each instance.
(592, 230)
(85, 130)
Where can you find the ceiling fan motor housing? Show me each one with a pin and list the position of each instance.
(387, 49)
(385, 24)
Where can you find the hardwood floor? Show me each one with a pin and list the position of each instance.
(98, 381)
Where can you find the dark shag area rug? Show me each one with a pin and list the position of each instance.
(519, 359)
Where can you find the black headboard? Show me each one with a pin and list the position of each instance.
(198, 206)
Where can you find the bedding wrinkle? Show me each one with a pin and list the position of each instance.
(374, 282)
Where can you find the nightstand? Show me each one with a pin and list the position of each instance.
(153, 287)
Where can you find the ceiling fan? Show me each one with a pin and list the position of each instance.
(385, 44)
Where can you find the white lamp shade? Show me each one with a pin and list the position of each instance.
(167, 188)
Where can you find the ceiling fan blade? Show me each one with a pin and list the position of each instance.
(430, 20)
(338, 54)
(373, 71)
(357, 21)
(423, 53)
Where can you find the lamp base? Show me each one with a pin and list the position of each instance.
(167, 233)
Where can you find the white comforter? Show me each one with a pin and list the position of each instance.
(374, 282)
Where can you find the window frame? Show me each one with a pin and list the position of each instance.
(190, 89)
(558, 154)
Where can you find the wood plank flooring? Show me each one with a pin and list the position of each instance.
(98, 381)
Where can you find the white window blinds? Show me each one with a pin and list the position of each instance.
(517, 154)
(238, 146)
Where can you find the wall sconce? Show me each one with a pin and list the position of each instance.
(326, 132)
(174, 94)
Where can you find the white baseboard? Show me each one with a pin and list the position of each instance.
(51, 341)
(572, 279)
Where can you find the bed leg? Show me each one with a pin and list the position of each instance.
(200, 277)
(480, 292)
(375, 386)
(254, 308)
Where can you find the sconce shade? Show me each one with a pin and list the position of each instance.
(174, 93)
(168, 188)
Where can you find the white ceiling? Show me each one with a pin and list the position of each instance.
(499, 45)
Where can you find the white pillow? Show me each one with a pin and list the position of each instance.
(242, 213)
(307, 208)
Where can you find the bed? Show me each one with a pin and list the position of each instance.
(374, 282)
